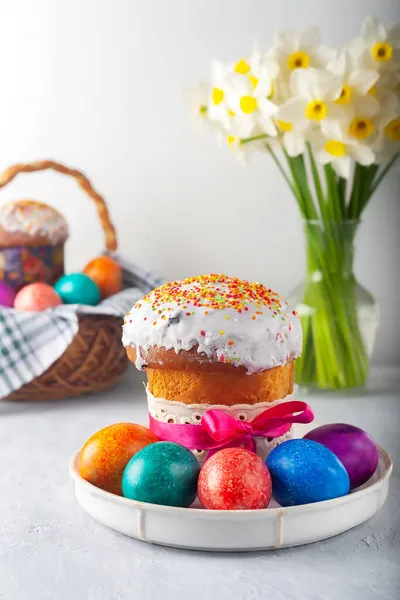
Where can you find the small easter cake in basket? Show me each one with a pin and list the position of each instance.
(71, 323)
(32, 238)
(215, 342)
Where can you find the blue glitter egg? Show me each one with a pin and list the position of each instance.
(162, 473)
(305, 471)
(78, 288)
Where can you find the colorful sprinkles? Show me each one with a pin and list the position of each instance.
(215, 292)
(225, 316)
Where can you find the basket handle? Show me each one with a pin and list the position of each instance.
(42, 165)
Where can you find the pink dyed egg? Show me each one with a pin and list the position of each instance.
(7, 294)
(35, 297)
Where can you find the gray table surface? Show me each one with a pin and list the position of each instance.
(50, 549)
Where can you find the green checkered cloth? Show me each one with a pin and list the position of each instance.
(31, 342)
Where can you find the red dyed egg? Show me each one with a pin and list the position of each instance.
(234, 479)
(105, 455)
(36, 297)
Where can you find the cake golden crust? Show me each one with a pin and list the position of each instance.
(11, 239)
(186, 360)
(229, 388)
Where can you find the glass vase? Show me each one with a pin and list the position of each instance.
(339, 317)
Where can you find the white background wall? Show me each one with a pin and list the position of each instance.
(98, 84)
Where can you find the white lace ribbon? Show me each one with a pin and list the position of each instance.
(172, 411)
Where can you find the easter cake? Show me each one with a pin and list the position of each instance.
(32, 238)
(214, 342)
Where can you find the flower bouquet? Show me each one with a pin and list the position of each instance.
(330, 120)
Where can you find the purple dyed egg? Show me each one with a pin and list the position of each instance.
(353, 446)
(7, 295)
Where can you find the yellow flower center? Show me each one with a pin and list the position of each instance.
(253, 81)
(203, 110)
(392, 129)
(298, 60)
(372, 90)
(242, 67)
(248, 104)
(335, 148)
(231, 139)
(382, 51)
(217, 96)
(231, 113)
(361, 128)
(345, 95)
(316, 110)
(285, 126)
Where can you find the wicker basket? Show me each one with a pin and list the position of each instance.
(95, 359)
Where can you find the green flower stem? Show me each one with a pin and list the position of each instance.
(255, 138)
(292, 186)
(334, 355)
(317, 183)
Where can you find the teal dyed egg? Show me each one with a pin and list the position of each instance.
(78, 288)
(162, 473)
(304, 471)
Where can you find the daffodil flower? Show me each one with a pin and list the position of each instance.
(378, 47)
(242, 150)
(356, 83)
(333, 145)
(197, 99)
(217, 101)
(314, 94)
(387, 141)
(297, 50)
(249, 105)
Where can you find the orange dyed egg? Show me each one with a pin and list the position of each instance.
(107, 273)
(105, 455)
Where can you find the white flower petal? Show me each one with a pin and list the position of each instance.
(362, 154)
(323, 156)
(323, 55)
(237, 84)
(339, 112)
(267, 126)
(264, 86)
(330, 86)
(267, 108)
(316, 139)
(309, 37)
(362, 80)
(342, 166)
(389, 108)
(304, 82)
(275, 143)
(331, 130)
(294, 143)
(293, 111)
(338, 64)
(373, 31)
(365, 106)
(243, 126)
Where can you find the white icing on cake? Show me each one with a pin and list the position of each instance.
(178, 412)
(35, 219)
(229, 320)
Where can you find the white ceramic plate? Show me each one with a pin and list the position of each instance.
(225, 530)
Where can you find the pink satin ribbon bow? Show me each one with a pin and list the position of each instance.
(218, 430)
